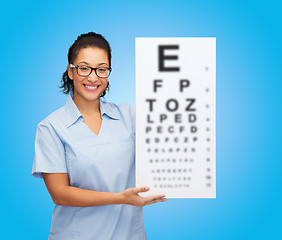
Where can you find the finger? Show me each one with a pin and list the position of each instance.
(155, 201)
(141, 189)
(159, 200)
(154, 197)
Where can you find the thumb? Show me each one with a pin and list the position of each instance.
(142, 189)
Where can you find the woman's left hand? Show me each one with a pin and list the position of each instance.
(130, 196)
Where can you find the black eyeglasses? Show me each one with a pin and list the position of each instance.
(84, 71)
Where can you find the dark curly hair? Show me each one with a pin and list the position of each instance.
(90, 39)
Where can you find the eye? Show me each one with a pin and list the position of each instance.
(102, 70)
(83, 68)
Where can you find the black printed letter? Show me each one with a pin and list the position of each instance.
(163, 57)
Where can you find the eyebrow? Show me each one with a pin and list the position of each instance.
(102, 64)
(89, 64)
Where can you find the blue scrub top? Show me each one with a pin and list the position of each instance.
(103, 162)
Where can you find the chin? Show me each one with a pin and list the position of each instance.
(92, 97)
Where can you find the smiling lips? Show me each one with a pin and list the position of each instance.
(91, 87)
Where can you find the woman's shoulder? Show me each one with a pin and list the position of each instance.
(119, 108)
(122, 111)
(117, 105)
(54, 117)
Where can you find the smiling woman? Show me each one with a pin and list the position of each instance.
(88, 86)
(85, 152)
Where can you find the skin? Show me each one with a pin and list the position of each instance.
(88, 104)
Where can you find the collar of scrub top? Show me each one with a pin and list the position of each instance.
(73, 114)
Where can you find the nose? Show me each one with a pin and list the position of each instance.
(93, 77)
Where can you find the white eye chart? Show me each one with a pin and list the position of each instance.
(175, 116)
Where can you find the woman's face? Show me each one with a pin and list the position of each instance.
(91, 87)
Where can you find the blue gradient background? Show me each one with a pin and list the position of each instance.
(35, 37)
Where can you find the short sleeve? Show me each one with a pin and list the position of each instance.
(49, 151)
(132, 116)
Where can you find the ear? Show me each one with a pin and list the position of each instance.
(70, 72)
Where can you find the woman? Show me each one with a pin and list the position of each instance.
(85, 152)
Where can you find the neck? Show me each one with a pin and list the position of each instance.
(87, 107)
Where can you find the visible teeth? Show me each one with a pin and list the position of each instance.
(90, 87)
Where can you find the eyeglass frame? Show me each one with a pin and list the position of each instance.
(95, 69)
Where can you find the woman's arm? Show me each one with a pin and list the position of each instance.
(64, 194)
